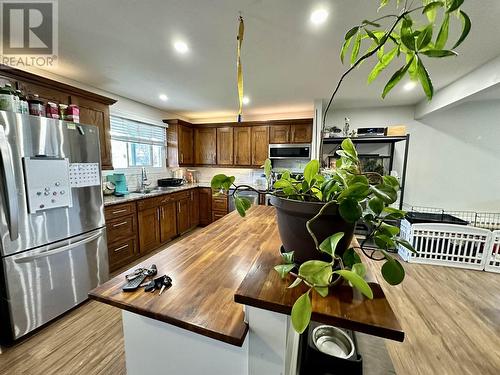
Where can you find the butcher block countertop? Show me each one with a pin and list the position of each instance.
(229, 263)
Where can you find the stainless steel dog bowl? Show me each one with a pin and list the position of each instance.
(333, 341)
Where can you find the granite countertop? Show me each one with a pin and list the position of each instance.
(110, 200)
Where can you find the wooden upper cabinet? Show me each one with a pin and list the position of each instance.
(185, 145)
(301, 133)
(180, 143)
(279, 134)
(242, 145)
(205, 146)
(225, 146)
(260, 144)
(94, 113)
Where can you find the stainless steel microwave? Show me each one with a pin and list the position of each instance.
(290, 151)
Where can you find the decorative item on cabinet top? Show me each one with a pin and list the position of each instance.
(231, 144)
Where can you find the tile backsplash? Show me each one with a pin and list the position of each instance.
(134, 177)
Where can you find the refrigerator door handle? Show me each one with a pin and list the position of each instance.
(60, 249)
(10, 187)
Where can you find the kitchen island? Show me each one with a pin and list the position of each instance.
(227, 311)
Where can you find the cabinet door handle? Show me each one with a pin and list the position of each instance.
(119, 224)
(179, 207)
(120, 248)
(182, 157)
(119, 211)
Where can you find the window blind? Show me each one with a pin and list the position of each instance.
(126, 130)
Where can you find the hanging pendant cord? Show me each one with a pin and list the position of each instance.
(239, 38)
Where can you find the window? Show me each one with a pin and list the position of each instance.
(137, 144)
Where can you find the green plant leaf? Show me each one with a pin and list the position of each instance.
(355, 191)
(396, 78)
(372, 36)
(359, 269)
(311, 170)
(382, 64)
(283, 269)
(351, 32)
(322, 290)
(384, 242)
(389, 230)
(357, 281)
(301, 313)
(438, 53)
(442, 37)
(376, 205)
(350, 210)
(238, 204)
(407, 35)
(349, 148)
(316, 272)
(393, 272)
(355, 49)
(432, 7)
(351, 257)
(391, 181)
(393, 213)
(466, 27)
(383, 3)
(330, 243)
(454, 5)
(425, 80)
(280, 184)
(295, 283)
(366, 22)
(385, 193)
(217, 181)
(287, 257)
(406, 244)
(267, 168)
(344, 49)
(425, 37)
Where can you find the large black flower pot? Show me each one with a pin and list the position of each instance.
(292, 217)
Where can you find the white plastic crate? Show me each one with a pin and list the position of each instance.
(446, 244)
(493, 259)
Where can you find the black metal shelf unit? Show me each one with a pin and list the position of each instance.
(391, 141)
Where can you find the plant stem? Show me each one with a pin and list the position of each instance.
(316, 217)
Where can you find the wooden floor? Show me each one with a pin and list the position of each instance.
(451, 318)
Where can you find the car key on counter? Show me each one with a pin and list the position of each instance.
(135, 279)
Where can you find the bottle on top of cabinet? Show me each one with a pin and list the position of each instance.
(36, 106)
(22, 103)
(7, 98)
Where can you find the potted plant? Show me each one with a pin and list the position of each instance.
(316, 215)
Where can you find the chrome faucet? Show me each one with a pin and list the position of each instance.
(144, 178)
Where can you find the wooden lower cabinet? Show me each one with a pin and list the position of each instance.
(205, 206)
(183, 213)
(194, 205)
(168, 221)
(149, 229)
(219, 206)
(121, 228)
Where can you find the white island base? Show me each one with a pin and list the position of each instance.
(155, 347)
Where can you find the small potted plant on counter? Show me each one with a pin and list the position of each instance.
(317, 214)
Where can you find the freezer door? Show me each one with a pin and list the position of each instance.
(36, 142)
(42, 284)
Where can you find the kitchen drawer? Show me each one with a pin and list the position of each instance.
(121, 252)
(167, 199)
(121, 228)
(145, 204)
(182, 195)
(118, 210)
(219, 203)
(217, 215)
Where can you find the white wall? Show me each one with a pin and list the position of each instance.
(454, 155)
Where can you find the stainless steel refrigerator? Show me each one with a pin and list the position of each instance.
(53, 238)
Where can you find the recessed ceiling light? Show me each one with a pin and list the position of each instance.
(181, 47)
(246, 100)
(163, 97)
(319, 16)
(410, 86)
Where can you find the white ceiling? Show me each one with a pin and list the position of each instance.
(125, 47)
